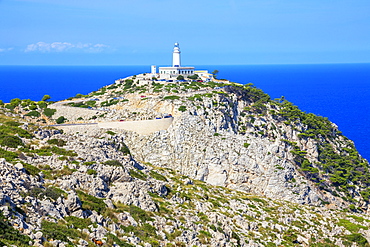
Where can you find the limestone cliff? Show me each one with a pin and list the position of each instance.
(234, 168)
(237, 137)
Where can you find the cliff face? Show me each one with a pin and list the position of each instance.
(236, 137)
(233, 169)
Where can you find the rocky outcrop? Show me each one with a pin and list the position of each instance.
(209, 147)
(231, 170)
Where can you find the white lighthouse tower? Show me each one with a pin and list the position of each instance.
(176, 56)
(170, 73)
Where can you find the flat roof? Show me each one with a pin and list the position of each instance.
(177, 68)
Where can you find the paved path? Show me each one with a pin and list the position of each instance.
(55, 125)
(143, 127)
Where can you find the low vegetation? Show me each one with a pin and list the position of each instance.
(181, 206)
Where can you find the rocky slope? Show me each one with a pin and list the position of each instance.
(234, 169)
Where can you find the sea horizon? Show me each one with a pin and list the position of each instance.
(194, 65)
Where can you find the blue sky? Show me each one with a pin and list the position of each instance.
(142, 32)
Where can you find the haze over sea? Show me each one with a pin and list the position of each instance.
(340, 92)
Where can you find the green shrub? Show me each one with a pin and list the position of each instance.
(58, 231)
(11, 141)
(49, 192)
(146, 231)
(113, 163)
(352, 227)
(182, 108)
(10, 236)
(62, 151)
(60, 120)
(139, 214)
(36, 192)
(128, 84)
(110, 133)
(357, 238)
(10, 106)
(246, 145)
(125, 150)
(45, 97)
(157, 176)
(78, 222)
(174, 235)
(44, 151)
(32, 107)
(58, 142)
(12, 130)
(12, 123)
(7, 155)
(54, 193)
(89, 163)
(91, 172)
(259, 200)
(91, 103)
(90, 202)
(15, 102)
(32, 170)
(171, 97)
(78, 96)
(49, 112)
(114, 239)
(138, 174)
(33, 114)
(78, 104)
(53, 174)
(42, 104)
(109, 102)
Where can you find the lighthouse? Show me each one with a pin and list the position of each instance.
(170, 73)
(176, 56)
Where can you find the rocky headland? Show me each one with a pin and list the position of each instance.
(232, 168)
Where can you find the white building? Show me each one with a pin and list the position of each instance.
(154, 70)
(204, 75)
(176, 69)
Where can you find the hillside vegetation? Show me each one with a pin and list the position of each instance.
(235, 168)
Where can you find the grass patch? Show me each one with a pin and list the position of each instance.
(31, 170)
(157, 176)
(113, 163)
(58, 231)
(49, 192)
(110, 133)
(352, 227)
(138, 174)
(90, 202)
(57, 142)
(91, 172)
(8, 155)
(75, 222)
(11, 141)
(49, 112)
(10, 236)
(171, 97)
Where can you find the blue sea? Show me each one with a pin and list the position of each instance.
(340, 92)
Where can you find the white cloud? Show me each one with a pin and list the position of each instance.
(64, 46)
(6, 49)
